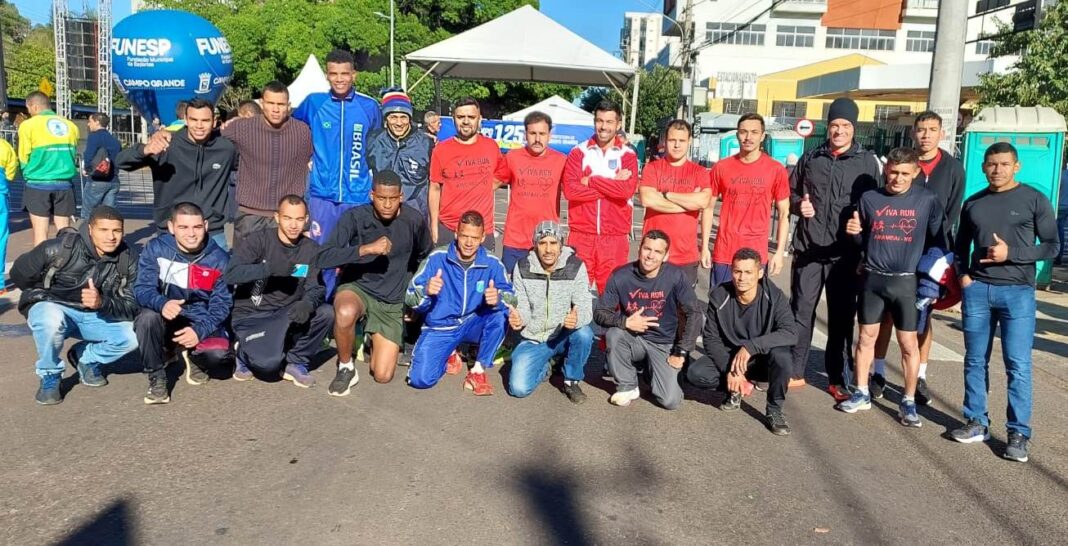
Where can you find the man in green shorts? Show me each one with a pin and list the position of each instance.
(375, 246)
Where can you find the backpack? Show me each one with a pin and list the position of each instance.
(68, 237)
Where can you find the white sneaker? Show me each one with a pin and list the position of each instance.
(624, 398)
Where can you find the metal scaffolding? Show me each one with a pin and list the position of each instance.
(60, 13)
(103, 85)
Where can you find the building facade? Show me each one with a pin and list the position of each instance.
(642, 42)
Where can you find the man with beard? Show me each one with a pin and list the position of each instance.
(402, 149)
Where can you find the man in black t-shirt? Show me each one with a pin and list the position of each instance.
(376, 246)
(997, 279)
(279, 315)
(895, 225)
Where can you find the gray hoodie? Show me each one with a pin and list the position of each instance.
(544, 299)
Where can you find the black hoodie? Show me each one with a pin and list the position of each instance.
(834, 185)
(776, 321)
(187, 171)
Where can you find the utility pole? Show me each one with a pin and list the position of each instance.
(686, 45)
(947, 67)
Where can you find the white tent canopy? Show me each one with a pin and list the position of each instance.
(560, 110)
(522, 45)
(310, 80)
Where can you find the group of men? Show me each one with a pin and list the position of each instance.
(392, 229)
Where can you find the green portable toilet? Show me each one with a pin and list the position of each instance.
(783, 142)
(1037, 132)
(728, 144)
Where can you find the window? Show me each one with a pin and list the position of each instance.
(983, 47)
(739, 106)
(920, 40)
(733, 33)
(885, 112)
(788, 109)
(860, 38)
(794, 36)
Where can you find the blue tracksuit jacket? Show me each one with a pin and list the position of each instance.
(463, 292)
(341, 131)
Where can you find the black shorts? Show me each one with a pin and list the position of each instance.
(894, 293)
(48, 202)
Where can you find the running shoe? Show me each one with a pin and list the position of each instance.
(1018, 449)
(624, 398)
(777, 424)
(877, 384)
(157, 389)
(48, 393)
(973, 431)
(839, 393)
(194, 375)
(477, 383)
(454, 364)
(923, 395)
(241, 371)
(88, 374)
(343, 381)
(573, 392)
(907, 413)
(298, 374)
(732, 402)
(858, 401)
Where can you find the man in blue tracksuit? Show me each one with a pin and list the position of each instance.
(462, 291)
(341, 123)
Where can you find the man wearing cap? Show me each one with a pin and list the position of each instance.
(552, 323)
(825, 189)
(402, 149)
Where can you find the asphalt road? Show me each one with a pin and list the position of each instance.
(269, 463)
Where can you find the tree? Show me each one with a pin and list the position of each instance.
(29, 61)
(1040, 76)
(658, 99)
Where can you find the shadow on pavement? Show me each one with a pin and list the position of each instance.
(114, 526)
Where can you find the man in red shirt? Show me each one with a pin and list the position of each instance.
(750, 183)
(600, 178)
(534, 173)
(674, 192)
(464, 172)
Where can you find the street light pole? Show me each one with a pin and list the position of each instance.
(391, 18)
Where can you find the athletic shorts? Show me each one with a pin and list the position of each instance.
(48, 202)
(385, 319)
(894, 293)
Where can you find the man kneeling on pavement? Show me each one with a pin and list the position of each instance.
(652, 316)
(552, 314)
(462, 291)
(79, 285)
(749, 324)
(279, 316)
(184, 301)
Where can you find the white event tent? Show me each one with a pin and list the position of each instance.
(310, 80)
(522, 45)
(562, 112)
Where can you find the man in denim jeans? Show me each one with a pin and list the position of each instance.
(552, 314)
(1002, 221)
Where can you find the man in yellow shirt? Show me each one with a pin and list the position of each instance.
(47, 151)
(9, 165)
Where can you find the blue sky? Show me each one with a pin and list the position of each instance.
(598, 21)
(39, 11)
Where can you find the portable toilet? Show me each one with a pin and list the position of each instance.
(783, 142)
(1037, 132)
(728, 144)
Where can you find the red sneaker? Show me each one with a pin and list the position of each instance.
(840, 393)
(454, 364)
(477, 383)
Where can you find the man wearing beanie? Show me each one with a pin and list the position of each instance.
(556, 326)
(825, 189)
(402, 149)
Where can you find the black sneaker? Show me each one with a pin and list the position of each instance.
(88, 374)
(1018, 448)
(574, 392)
(343, 381)
(777, 424)
(923, 396)
(876, 384)
(48, 393)
(194, 375)
(157, 389)
(732, 403)
(973, 431)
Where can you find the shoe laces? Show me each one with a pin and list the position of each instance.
(50, 381)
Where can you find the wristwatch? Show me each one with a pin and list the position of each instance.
(680, 352)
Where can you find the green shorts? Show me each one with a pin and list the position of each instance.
(385, 319)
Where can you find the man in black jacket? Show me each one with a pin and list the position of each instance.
(279, 316)
(652, 316)
(377, 246)
(192, 164)
(825, 189)
(79, 285)
(748, 324)
(943, 175)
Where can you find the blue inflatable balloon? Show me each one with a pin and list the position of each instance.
(162, 57)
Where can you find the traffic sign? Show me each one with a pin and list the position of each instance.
(805, 127)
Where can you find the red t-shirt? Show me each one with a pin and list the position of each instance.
(929, 166)
(466, 173)
(747, 193)
(681, 227)
(534, 195)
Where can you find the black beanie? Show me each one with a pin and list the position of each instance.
(843, 108)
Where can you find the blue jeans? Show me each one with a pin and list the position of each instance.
(485, 329)
(104, 340)
(95, 192)
(4, 232)
(530, 359)
(510, 256)
(1062, 225)
(1013, 307)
